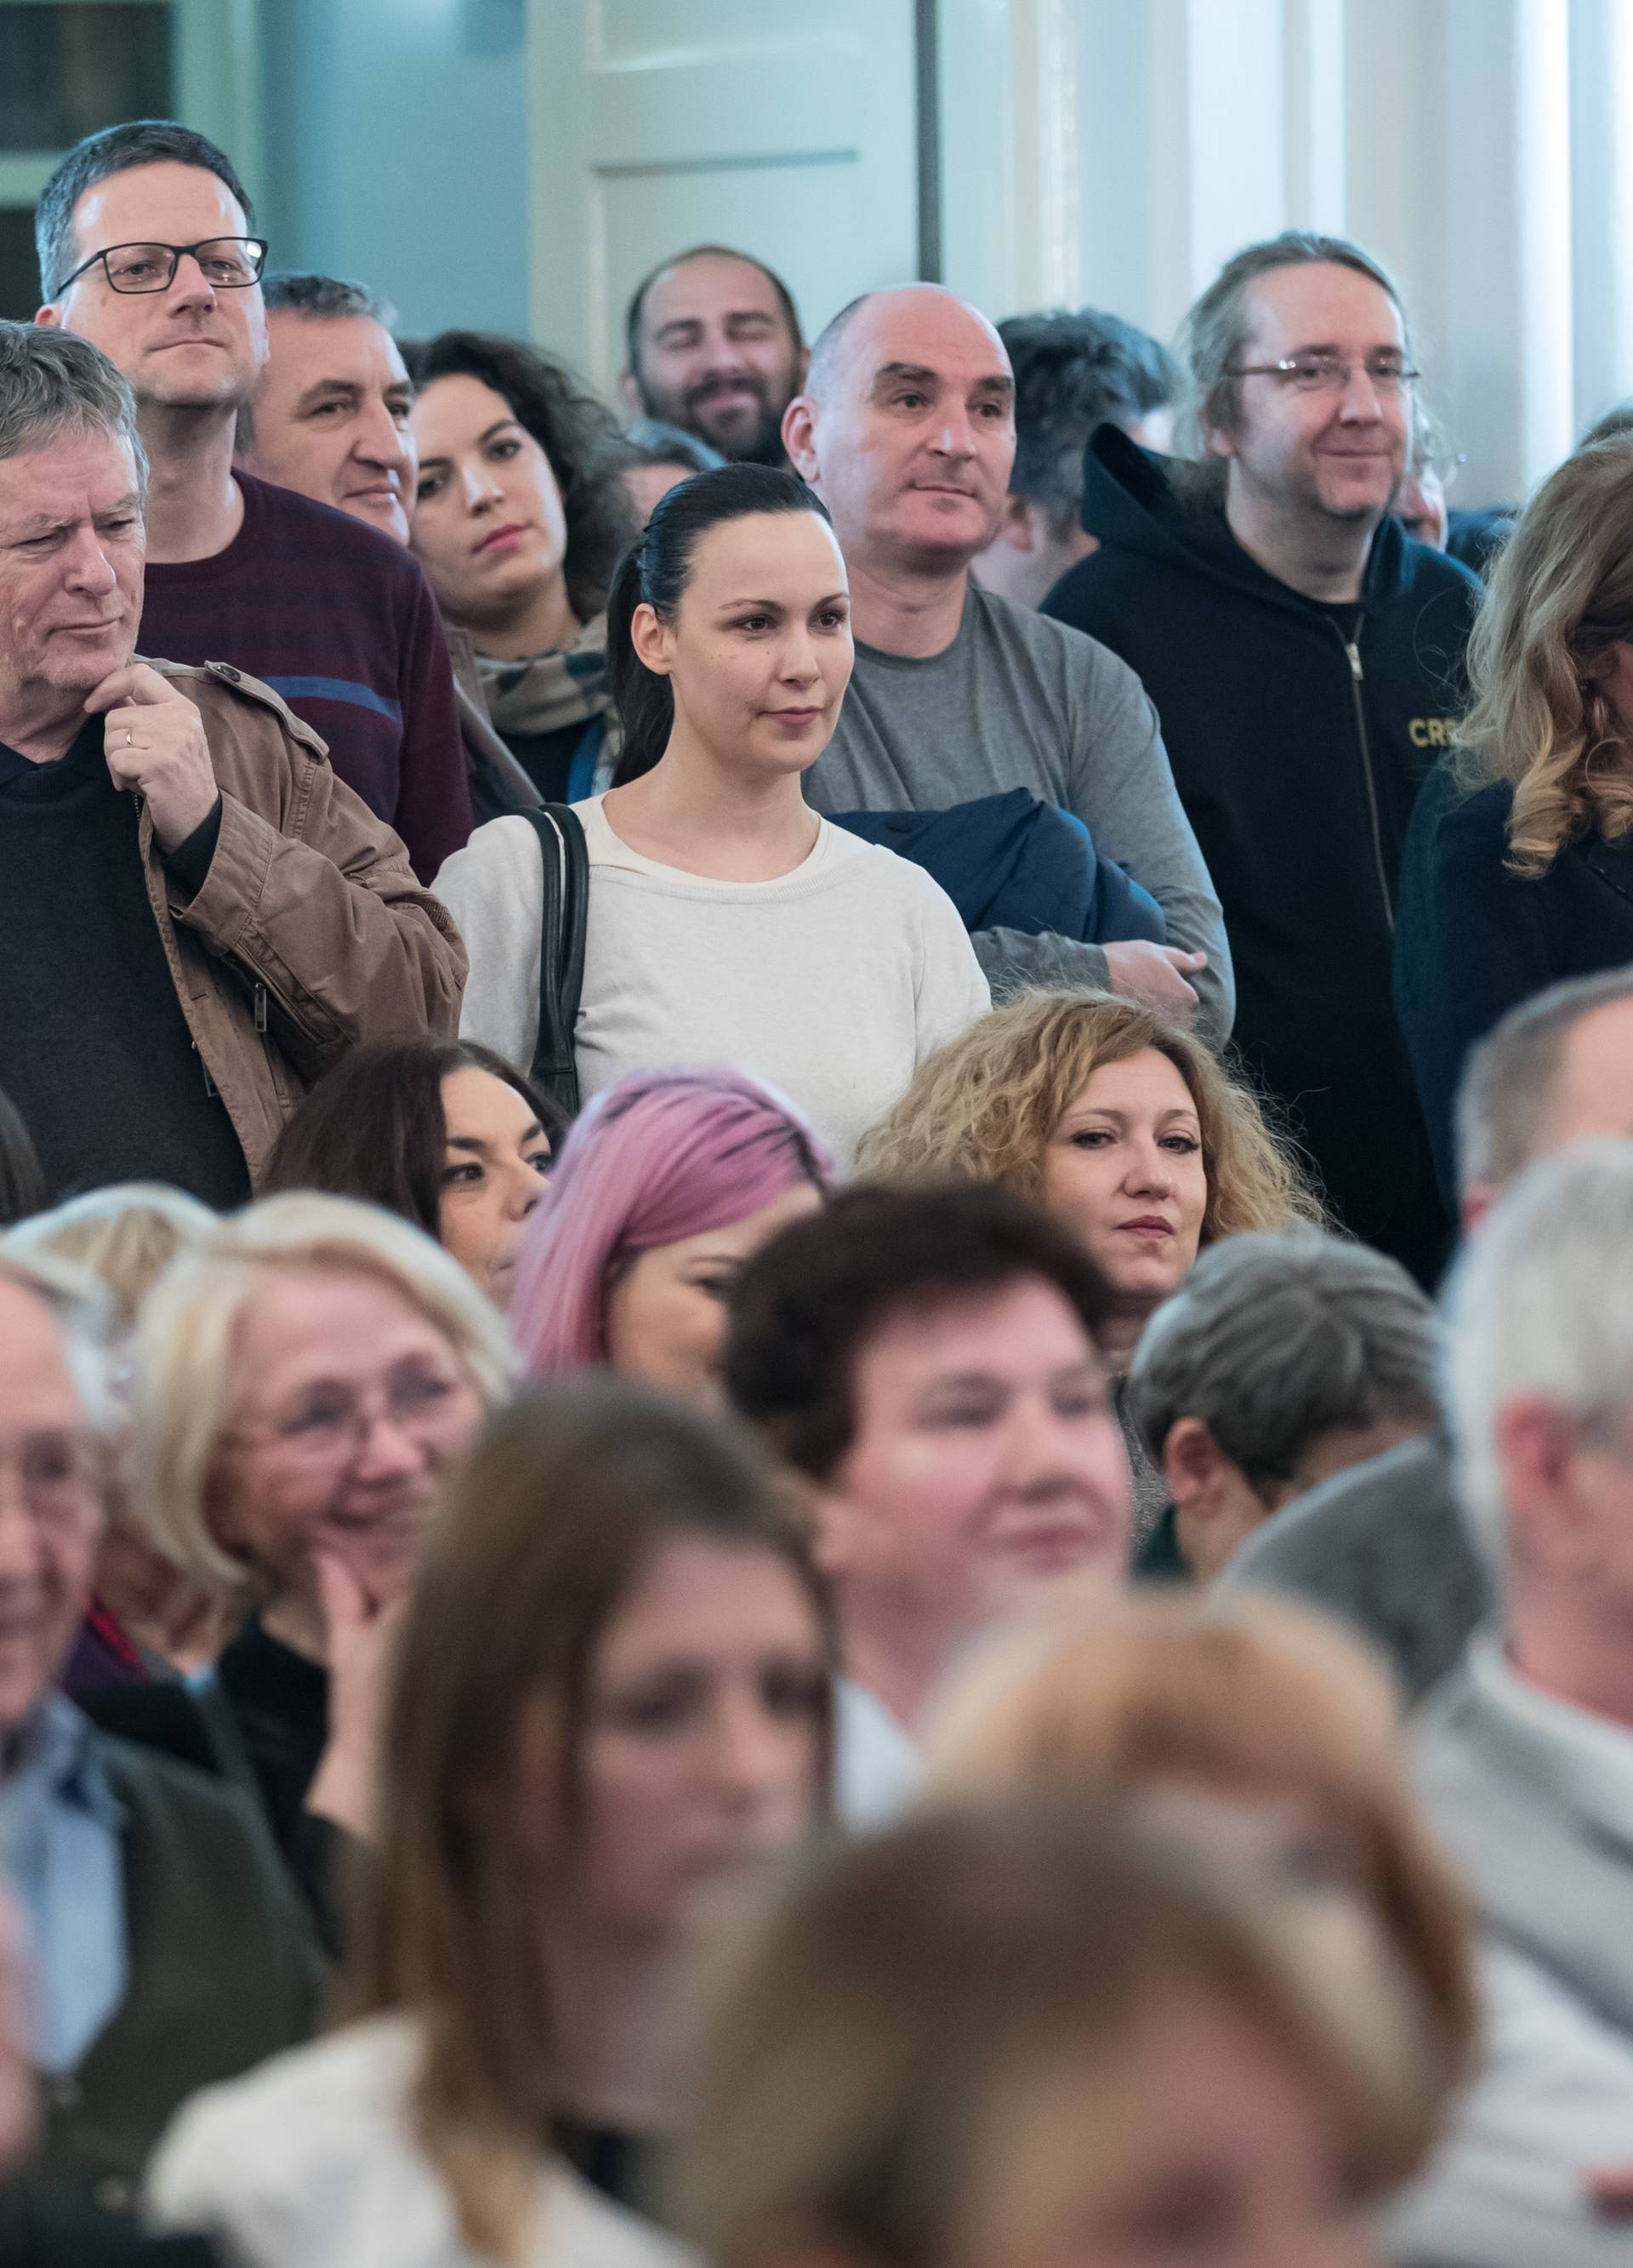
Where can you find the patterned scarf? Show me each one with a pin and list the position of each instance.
(546, 692)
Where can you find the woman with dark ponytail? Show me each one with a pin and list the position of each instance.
(727, 922)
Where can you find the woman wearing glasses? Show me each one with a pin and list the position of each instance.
(148, 244)
(1304, 655)
(1518, 870)
(303, 1378)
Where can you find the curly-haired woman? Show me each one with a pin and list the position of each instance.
(519, 519)
(1123, 1125)
(1519, 866)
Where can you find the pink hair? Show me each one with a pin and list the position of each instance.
(660, 1156)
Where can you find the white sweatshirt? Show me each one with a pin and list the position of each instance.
(832, 983)
(311, 2161)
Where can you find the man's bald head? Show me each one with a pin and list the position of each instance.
(906, 428)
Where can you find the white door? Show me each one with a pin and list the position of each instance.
(786, 130)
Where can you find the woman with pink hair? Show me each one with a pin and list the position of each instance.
(666, 1186)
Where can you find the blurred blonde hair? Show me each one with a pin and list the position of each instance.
(126, 1235)
(1559, 599)
(985, 1106)
(1243, 1695)
(922, 2001)
(183, 1388)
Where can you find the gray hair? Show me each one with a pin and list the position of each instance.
(1075, 369)
(117, 149)
(53, 384)
(1214, 332)
(1279, 1336)
(295, 293)
(1507, 1088)
(79, 1307)
(1541, 1303)
(1616, 424)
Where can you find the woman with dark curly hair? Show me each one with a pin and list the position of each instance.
(519, 520)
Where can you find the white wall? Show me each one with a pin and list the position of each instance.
(659, 123)
(1472, 144)
(394, 149)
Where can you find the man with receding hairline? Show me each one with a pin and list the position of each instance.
(713, 346)
(145, 249)
(906, 432)
(1303, 654)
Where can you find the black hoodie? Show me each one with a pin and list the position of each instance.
(1299, 734)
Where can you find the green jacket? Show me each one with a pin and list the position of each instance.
(224, 1971)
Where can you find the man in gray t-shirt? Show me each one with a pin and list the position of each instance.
(906, 432)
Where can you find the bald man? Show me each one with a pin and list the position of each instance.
(906, 430)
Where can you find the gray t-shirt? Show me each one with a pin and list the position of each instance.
(1020, 701)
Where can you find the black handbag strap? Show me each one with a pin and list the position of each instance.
(564, 855)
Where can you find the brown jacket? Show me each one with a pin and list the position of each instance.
(311, 935)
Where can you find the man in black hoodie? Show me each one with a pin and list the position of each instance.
(1305, 656)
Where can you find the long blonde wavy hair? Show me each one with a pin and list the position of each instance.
(984, 1107)
(1561, 596)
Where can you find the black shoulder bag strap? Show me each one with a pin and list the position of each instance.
(564, 855)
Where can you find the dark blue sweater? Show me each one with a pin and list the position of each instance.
(1473, 939)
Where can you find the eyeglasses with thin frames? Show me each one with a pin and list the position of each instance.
(227, 263)
(333, 1423)
(1327, 374)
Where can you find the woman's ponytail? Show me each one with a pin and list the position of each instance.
(645, 702)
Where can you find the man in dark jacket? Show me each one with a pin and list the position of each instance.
(164, 1947)
(1305, 658)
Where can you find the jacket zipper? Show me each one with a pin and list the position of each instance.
(1352, 648)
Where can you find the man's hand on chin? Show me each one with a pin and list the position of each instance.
(155, 745)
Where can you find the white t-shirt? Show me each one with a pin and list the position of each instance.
(832, 983)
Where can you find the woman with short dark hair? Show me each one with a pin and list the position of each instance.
(520, 516)
(449, 1135)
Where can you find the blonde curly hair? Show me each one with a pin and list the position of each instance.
(1559, 598)
(985, 1107)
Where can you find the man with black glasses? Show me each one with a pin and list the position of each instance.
(1305, 658)
(147, 249)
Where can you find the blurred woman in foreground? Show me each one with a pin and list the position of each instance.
(1015, 2038)
(1246, 1726)
(612, 1699)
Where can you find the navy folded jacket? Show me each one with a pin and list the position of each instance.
(1012, 862)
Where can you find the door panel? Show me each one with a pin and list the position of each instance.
(656, 126)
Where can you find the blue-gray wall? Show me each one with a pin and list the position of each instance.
(394, 149)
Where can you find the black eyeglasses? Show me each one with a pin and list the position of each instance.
(227, 263)
(1326, 374)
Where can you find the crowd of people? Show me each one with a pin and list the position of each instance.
(816, 1393)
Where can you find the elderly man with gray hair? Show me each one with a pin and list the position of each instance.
(1285, 1358)
(196, 917)
(1383, 1545)
(165, 1947)
(1526, 1755)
